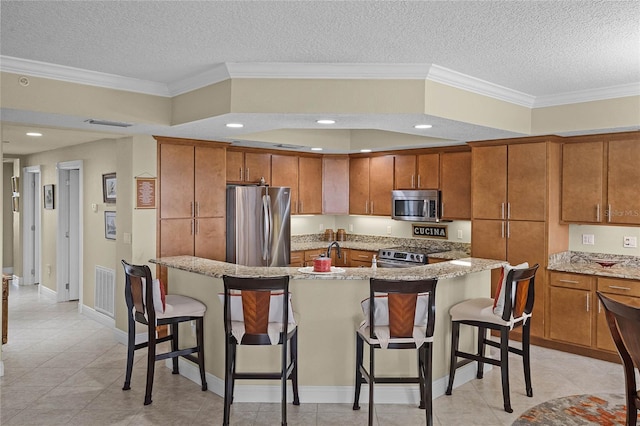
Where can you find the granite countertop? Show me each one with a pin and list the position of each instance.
(584, 263)
(443, 270)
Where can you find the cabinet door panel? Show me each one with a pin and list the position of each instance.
(210, 173)
(176, 237)
(359, 185)
(404, 171)
(285, 173)
(455, 182)
(210, 241)
(428, 171)
(603, 334)
(527, 181)
(622, 182)
(235, 166)
(381, 185)
(489, 239)
(489, 182)
(582, 177)
(335, 185)
(176, 181)
(570, 315)
(257, 165)
(310, 185)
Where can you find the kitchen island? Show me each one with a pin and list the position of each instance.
(327, 308)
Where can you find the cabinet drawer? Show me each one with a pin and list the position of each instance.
(619, 286)
(582, 282)
(362, 255)
(297, 258)
(310, 255)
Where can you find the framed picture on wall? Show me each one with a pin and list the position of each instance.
(109, 187)
(110, 225)
(48, 197)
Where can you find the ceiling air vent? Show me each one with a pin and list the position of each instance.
(283, 146)
(108, 123)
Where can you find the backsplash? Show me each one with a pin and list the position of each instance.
(581, 257)
(433, 244)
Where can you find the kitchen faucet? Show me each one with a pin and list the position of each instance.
(335, 243)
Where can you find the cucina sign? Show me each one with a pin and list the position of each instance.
(430, 231)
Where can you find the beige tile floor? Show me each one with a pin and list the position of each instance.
(63, 368)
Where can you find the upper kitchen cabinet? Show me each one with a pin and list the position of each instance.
(455, 185)
(510, 181)
(304, 176)
(600, 176)
(248, 166)
(370, 185)
(335, 186)
(417, 171)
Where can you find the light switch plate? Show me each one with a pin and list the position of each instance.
(589, 239)
(630, 242)
(389, 230)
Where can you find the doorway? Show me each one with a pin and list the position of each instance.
(69, 237)
(31, 225)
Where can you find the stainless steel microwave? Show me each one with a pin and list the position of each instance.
(416, 205)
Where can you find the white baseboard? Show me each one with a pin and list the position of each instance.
(16, 280)
(384, 394)
(98, 317)
(1, 368)
(122, 337)
(45, 291)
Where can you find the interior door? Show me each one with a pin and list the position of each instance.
(31, 225)
(74, 235)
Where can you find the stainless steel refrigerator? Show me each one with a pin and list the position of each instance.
(258, 225)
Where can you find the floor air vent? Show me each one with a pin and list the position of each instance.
(105, 291)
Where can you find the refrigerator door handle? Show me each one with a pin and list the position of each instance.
(265, 236)
(270, 234)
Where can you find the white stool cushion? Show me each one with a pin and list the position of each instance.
(384, 336)
(182, 306)
(481, 310)
(273, 330)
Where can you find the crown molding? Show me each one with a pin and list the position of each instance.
(465, 82)
(328, 71)
(612, 92)
(216, 74)
(80, 76)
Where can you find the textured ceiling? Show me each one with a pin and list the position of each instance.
(540, 48)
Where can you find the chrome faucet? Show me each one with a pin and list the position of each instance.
(335, 243)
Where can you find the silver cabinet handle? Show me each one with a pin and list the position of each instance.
(501, 229)
(192, 228)
(301, 206)
(508, 230)
(597, 212)
(569, 281)
(412, 185)
(419, 181)
(442, 209)
(197, 227)
(197, 208)
(609, 213)
(191, 209)
(617, 287)
(247, 178)
(501, 210)
(508, 210)
(371, 206)
(366, 206)
(599, 307)
(240, 173)
(587, 302)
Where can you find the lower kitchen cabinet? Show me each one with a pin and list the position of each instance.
(570, 307)
(296, 259)
(311, 255)
(624, 291)
(361, 258)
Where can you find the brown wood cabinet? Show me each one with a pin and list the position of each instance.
(335, 185)
(361, 258)
(296, 259)
(311, 255)
(247, 166)
(310, 185)
(455, 185)
(596, 175)
(420, 171)
(515, 209)
(284, 172)
(625, 291)
(191, 216)
(570, 306)
(370, 185)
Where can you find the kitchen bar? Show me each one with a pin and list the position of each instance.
(327, 308)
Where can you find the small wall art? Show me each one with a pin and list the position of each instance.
(110, 225)
(48, 197)
(109, 187)
(145, 193)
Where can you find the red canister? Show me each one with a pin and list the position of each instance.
(322, 264)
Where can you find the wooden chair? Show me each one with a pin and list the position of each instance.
(409, 325)
(257, 312)
(624, 325)
(141, 308)
(518, 301)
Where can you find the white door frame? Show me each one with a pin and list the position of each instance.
(31, 222)
(63, 218)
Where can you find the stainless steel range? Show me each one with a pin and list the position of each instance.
(403, 257)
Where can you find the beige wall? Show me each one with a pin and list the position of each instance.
(7, 217)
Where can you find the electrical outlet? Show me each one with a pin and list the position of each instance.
(630, 242)
(588, 239)
(48, 269)
(459, 234)
(321, 227)
(351, 227)
(389, 230)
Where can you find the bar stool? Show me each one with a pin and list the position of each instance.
(257, 311)
(145, 305)
(402, 317)
(511, 307)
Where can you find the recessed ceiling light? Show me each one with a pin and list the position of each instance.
(423, 126)
(326, 121)
(235, 125)
(316, 149)
(365, 150)
(34, 134)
